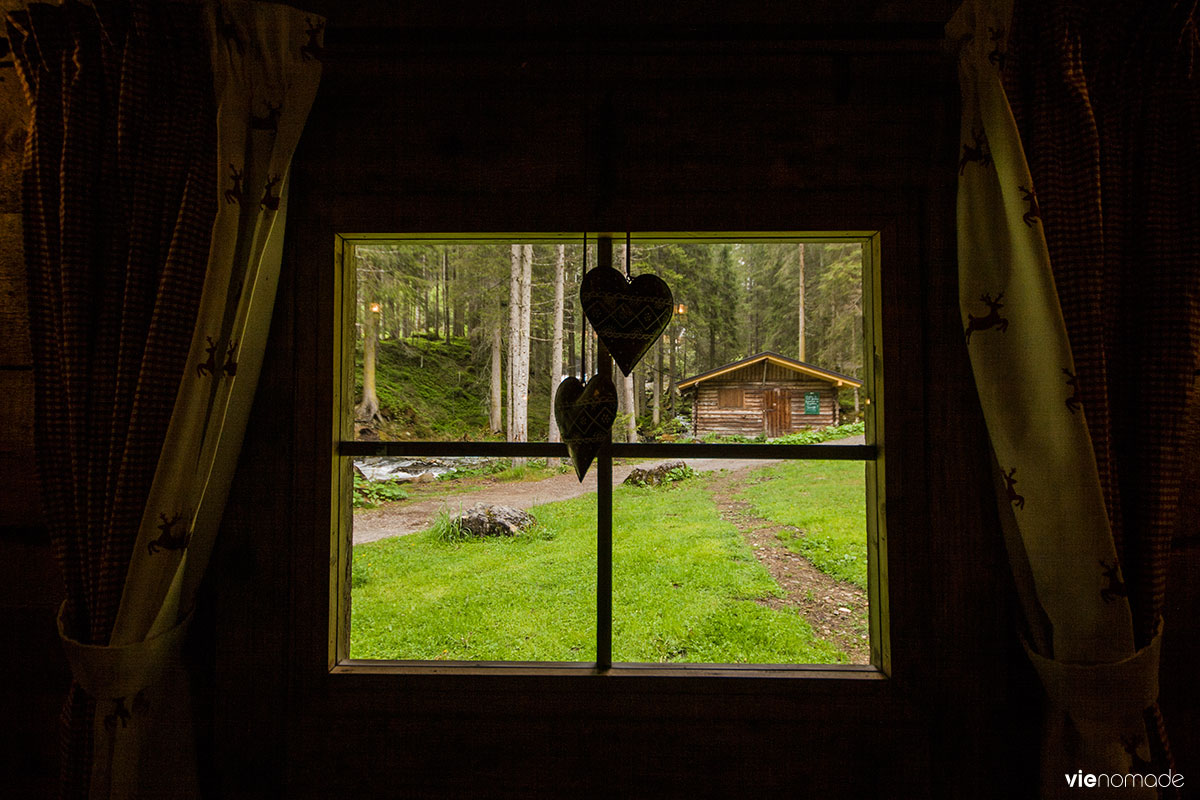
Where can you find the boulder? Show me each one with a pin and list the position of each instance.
(653, 476)
(487, 520)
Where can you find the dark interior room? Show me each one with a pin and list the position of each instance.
(542, 116)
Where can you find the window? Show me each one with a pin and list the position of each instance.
(730, 397)
(621, 574)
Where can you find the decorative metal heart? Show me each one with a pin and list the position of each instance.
(627, 316)
(585, 417)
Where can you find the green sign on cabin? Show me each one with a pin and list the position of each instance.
(812, 403)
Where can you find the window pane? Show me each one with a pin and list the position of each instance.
(453, 341)
(425, 586)
(742, 562)
(458, 340)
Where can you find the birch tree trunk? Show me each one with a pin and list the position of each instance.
(556, 343)
(521, 372)
(630, 409)
(495, 423)
(514, 337)
(800, 303)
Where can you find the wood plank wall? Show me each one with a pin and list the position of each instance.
(34, 674)
(475, 131)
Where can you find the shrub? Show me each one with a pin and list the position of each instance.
(370, 495)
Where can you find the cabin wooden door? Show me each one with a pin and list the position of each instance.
(777, 411)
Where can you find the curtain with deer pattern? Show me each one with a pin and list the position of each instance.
(155, 201)
(1080, 300)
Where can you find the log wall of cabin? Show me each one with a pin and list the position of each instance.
(709, 416)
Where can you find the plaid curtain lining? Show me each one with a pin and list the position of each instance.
(119, 201)
(1105, 95)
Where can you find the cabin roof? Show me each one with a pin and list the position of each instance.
(783, 361)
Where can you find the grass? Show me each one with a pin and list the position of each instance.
(825, 501)
(685, 583)
(432, 595)
(685, 586)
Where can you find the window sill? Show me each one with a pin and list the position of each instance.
(851, 672)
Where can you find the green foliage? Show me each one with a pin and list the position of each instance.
(733, 438)
(503, 470)
(668, 429)
(818, 435)
(369, 495)
(813, 436)
(446, 529)
(490, 467)
(674, 475)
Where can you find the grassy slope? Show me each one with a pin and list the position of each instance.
(685, 584)
(431, 390)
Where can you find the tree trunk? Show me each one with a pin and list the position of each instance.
(445, 291)
(639, 390)
(591, 351)
(800, 304)
(425, 294)
(570, 334)
(556, 343)
(672, 378)
(368, 409)
(460, 303)
(521, 373)
(630, 409)
(495, 423)
(514, 336)
(656, 385)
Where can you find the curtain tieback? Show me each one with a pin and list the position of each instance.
(1106, 691)
(108, 672)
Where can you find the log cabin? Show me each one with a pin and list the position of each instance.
(507, 116)
(766, 394)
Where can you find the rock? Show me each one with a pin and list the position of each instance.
(486, 520)
(653, 476)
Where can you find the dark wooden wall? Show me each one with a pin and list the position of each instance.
(730, 116)
(33, 672)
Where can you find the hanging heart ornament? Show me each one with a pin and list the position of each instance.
(585, 417)
(628, 316)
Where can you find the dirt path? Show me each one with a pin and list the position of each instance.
(398, 519)
(837, 610)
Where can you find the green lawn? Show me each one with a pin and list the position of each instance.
(826, 501)
(684, 582)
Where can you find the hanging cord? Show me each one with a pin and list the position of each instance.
(628, 255)
(583, 322)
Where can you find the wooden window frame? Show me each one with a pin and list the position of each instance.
(345, 449)
(741, 397)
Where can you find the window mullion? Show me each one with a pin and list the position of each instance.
(604, 521)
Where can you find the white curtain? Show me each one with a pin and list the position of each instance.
(1078, 626)
(266, 64)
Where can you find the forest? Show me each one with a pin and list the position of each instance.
(467, 339)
